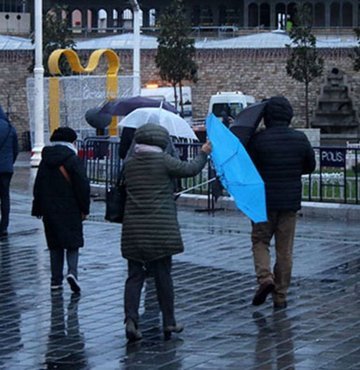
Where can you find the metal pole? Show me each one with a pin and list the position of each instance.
(38, 88)
(136, 48)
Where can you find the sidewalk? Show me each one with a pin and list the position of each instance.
(214, 285)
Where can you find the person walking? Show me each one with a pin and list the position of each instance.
(281, 155)
(150, 232)
(8, 154)
(62, 199)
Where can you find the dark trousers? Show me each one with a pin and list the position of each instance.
(161, 270)
(57, 264)
(5, 179)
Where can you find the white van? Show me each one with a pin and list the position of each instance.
(229, 102)
(167, 93)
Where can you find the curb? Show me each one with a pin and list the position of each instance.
(346, 212)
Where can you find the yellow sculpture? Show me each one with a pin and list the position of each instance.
(75, 64)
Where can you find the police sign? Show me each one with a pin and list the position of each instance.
(332, 157)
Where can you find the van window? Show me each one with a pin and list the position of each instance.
(232, 109)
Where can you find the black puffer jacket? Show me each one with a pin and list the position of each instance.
(60, 203)
(281, 155)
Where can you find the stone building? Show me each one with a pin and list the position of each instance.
(243, 14)
(254, 64)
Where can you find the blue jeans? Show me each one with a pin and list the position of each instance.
(5, 179)
(57, 264)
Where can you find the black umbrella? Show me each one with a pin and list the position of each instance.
(124, 106)
(247, 121)
(95, 118)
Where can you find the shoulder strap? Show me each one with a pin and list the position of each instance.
(65, 173)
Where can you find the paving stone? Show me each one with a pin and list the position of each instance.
(214, 284)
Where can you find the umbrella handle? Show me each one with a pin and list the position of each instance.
(194, 187)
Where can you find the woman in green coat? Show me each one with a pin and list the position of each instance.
(150, 233)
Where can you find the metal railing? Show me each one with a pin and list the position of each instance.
(335, 180)
(101, 160)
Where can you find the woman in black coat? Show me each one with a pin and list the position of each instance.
(62, 199)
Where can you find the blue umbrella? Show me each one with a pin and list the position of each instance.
(237, 173)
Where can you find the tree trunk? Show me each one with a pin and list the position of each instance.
(307, 121)
(181, 100)
(175, 96)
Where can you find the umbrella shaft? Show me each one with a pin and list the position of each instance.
(196, 186)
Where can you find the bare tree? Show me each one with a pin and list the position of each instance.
(304, 64)
(176, 50)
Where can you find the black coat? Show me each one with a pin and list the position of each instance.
(8, 144)
(60, 203)
(281, 155)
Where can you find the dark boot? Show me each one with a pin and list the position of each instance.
(168, 330)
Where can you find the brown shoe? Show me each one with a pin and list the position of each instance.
(263, 291)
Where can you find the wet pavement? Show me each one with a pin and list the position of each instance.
(214, 285)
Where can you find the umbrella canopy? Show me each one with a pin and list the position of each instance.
(237, 173)
(124, 106)
(247, 121)
(176, 125)
(97, 119)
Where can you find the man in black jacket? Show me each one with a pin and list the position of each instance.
(281, 155)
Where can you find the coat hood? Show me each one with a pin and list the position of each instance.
(152, 134)
(278, 112)
(55, 156)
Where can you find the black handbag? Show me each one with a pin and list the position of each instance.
(115, 202)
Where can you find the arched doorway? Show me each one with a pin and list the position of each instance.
(253, 15)
(335, 14)
(319, 15)
(265, 15)
(347, 11)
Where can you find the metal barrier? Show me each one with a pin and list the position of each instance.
(335, 180)
(101, 160)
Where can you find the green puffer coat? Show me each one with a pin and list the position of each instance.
(150, 227)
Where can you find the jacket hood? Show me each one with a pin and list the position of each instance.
(152, 134)
(55, 156)
(3, 116)
(278, 112)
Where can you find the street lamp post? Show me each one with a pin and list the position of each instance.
(38, 88)
(136, 47)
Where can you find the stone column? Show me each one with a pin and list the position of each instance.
(355, 21)
(145, 17)
(327, 14)
(273, 24)
(216, 15)
(246, 14)
(84, 19)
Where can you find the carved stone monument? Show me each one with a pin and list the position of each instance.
(335, 113)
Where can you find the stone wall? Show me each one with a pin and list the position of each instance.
(14, 72)
(259, 72)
